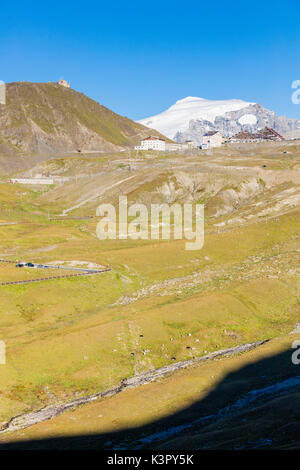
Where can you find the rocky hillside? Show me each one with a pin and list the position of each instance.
(252, 118)
(192, 117)
(46, 118)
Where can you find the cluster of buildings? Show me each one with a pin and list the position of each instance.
(265, 134)
(157, 143)
(36, 180)
(216, 139)
(210, 140)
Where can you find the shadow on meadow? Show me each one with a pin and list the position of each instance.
(254, 407)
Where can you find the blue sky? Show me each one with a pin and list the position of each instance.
(138, 58)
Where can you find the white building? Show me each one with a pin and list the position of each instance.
(39, 180)
(212, 139)
(152, 143)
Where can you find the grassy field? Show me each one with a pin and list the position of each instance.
(160, 304)
(176, 402)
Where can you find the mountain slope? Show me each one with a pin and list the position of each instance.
(45, 118)
(178, 116)
(191, 117)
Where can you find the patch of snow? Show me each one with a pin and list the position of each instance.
(250, 119)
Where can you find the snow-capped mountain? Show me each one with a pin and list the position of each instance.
(192, 117)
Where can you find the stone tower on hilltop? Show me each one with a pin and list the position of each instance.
(64, 83)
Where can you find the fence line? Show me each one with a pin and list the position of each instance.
(53, 277)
